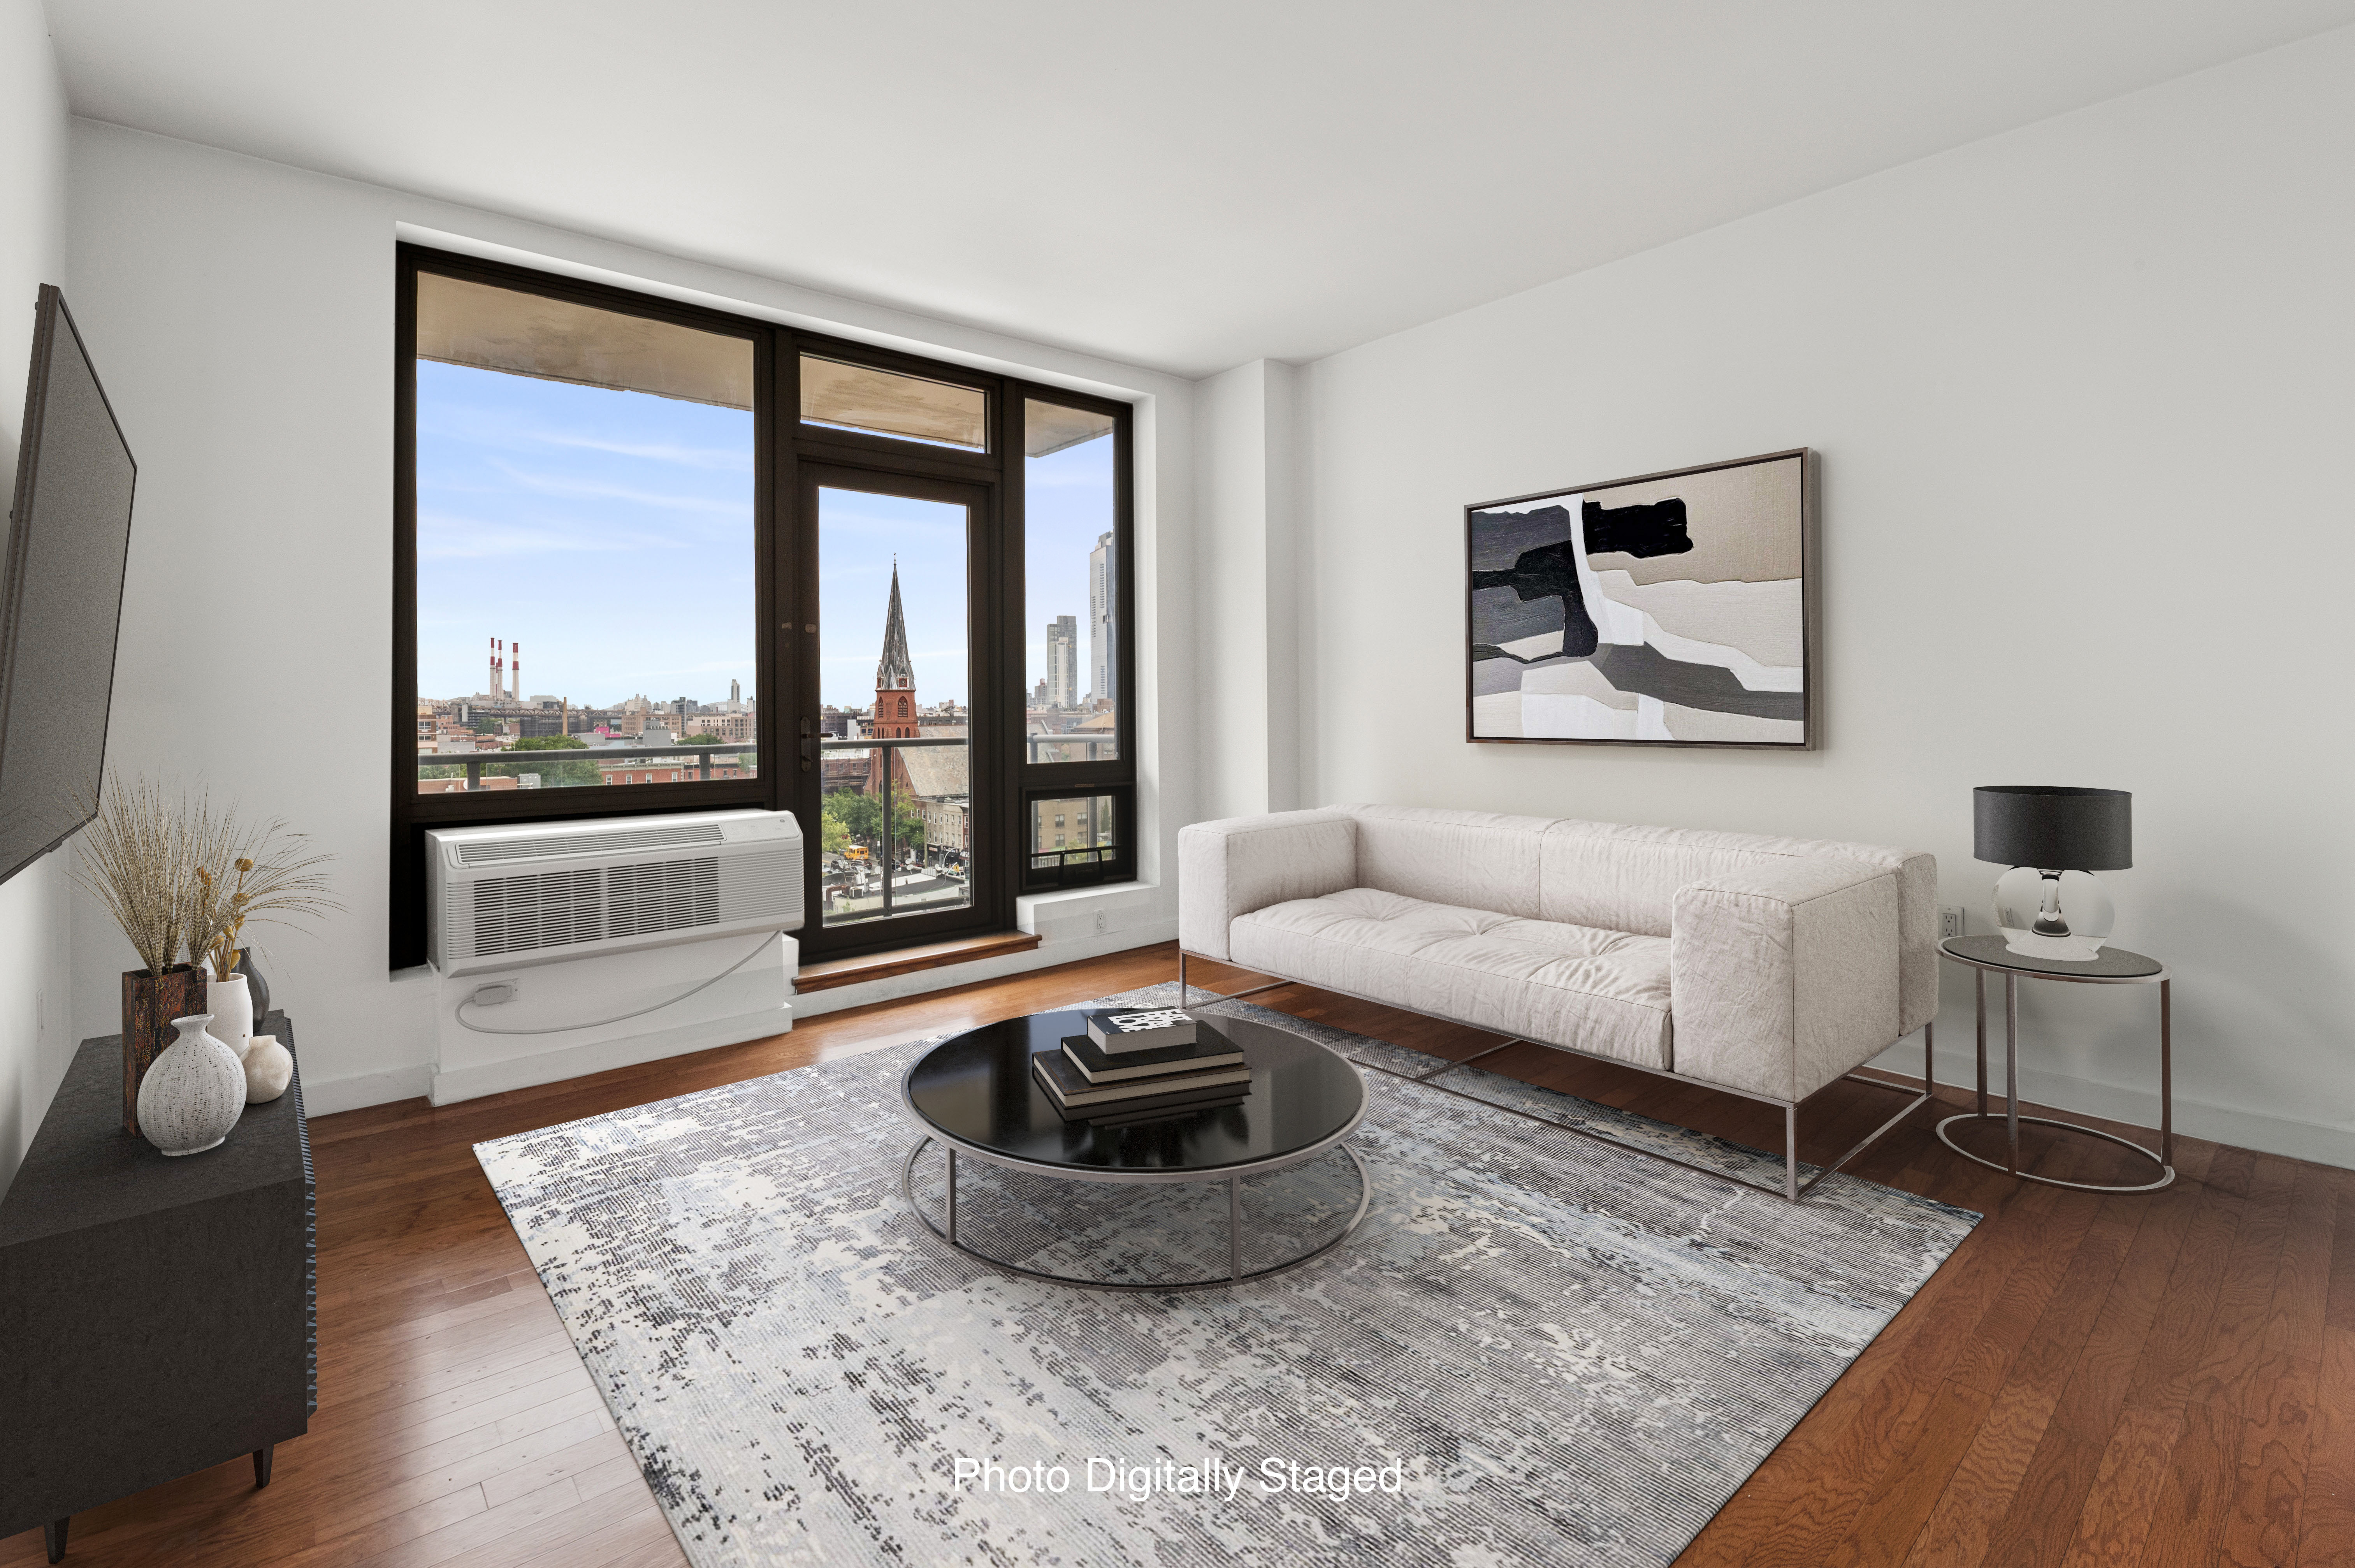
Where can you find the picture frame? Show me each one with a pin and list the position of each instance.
(1696, 624)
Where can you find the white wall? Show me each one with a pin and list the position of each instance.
(2085, 395)
(35, 1035)
(1247, 475)
(242, 314)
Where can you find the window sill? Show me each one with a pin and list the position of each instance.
(834, 973)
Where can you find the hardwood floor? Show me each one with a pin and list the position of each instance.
(2090, 1380)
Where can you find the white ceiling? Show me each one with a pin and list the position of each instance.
(1185, 187)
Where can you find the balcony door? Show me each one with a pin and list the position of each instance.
(896, 695)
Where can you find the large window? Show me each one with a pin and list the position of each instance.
(750, 566)
(584, 492)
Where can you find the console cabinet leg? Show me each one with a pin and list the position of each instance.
(53, 1535)
(262, 1464)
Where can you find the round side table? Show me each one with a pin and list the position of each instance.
(2116, 966)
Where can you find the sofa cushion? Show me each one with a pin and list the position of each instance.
(1474, 860)
(1604, 992)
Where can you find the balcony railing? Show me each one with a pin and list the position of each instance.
(820, 744)
(1071, 747)
(474, 762)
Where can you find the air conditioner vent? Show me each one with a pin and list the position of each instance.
(661, 895)
(527, 911)
(510, 896)
(607, 840)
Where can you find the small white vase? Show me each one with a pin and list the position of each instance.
(193, 1093)
(230, 1002)
(268, 1068)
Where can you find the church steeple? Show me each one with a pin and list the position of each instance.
(895, 676)
(897, 671)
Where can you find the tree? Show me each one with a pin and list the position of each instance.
(861, 816)
(552, 773)
(704, 738)
(833, 837)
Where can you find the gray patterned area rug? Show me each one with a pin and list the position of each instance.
(1536, 1349)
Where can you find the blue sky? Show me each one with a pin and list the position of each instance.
(1068, 502)
(611, 535)
(857, 534)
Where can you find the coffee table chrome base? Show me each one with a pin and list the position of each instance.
(2166, 1171)
(1234, 1275)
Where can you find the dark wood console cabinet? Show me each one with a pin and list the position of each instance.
(157, 1315)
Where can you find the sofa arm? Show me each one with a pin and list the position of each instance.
(1228, 868)
(1781, 979)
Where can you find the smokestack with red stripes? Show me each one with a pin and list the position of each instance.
(515, 675)
(493, 688)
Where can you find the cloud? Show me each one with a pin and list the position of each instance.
(957, 654)
(600, 490)
(711, 457)
(440, 537)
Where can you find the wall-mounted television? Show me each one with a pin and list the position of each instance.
(60, 595)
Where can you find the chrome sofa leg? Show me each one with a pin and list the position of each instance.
(1791, 1151)
(1182, 993)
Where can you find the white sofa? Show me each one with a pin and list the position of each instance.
(1767, 966)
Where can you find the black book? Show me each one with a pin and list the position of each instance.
(1135, 1118)
(1119, 1030)
(1100, 1066)
(1072, 1093)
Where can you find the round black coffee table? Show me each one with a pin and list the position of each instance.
(973, 1094)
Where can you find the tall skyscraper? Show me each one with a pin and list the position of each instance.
(1064, 662)
(1102, 659)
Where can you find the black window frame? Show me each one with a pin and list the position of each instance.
(1117, 776)
(789, 457)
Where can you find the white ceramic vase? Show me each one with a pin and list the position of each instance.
(268, 1066)
(194, 1094)
(230, 1002)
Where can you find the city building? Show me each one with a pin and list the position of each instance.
(669, 770)
(1067, 825)
(1064, 662)
(1102, 656)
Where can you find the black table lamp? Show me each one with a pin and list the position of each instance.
(2048, 905)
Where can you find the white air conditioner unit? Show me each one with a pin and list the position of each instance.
(504, 897)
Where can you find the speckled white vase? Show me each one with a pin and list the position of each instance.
(194, 1094)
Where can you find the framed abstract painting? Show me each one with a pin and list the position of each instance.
(1672, 609)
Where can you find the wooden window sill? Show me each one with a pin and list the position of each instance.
(826, 976)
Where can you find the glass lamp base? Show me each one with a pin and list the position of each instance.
(2058, 916)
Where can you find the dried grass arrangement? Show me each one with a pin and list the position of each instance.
(138, 860)
(181, 876)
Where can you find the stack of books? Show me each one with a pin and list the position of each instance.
(1135, 1065)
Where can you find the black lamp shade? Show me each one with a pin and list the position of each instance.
(2052, 826)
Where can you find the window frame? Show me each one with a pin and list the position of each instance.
(988, 885)
(785, 564)
(1117, 777)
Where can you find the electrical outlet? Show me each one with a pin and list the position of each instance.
(1950, 920)
(1103, 922)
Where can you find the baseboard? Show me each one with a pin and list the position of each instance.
(601, 1056)
(327, 1096)
(2136, 1106)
